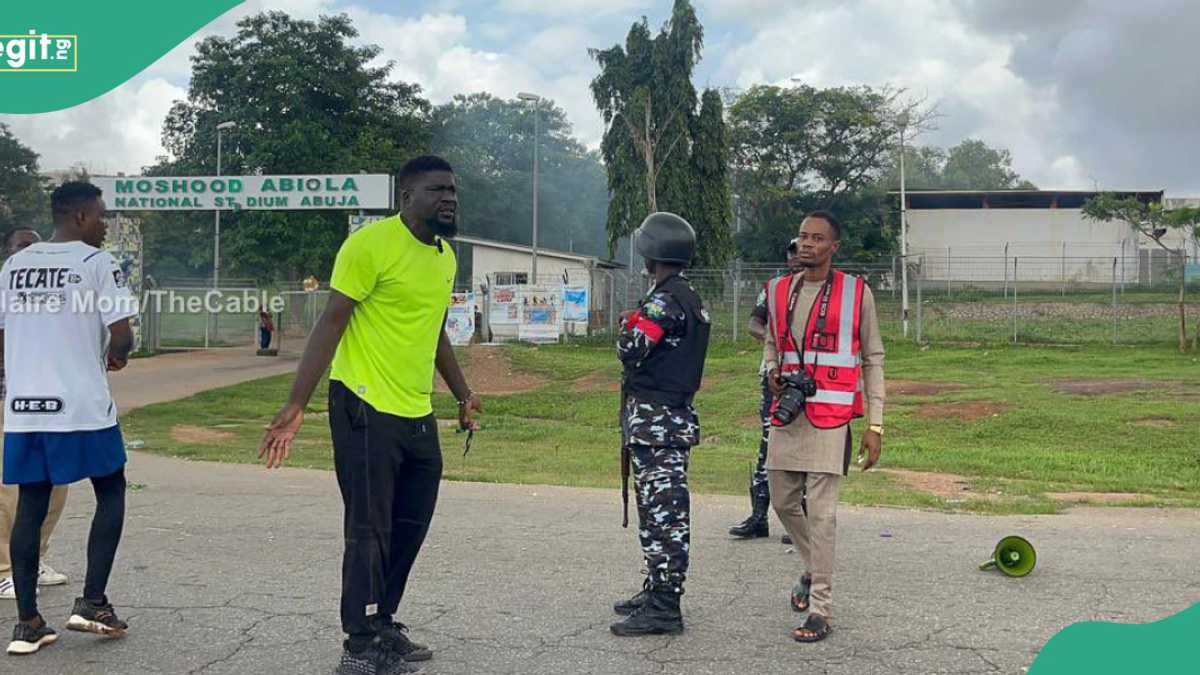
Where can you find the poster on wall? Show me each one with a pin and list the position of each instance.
(541, 314)
(460, 319)
(505, 310)
(575, 304)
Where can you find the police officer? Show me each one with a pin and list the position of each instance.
(662, 346)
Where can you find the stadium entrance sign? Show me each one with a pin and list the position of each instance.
(235, 193)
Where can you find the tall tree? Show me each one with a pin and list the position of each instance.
(23, 199)
(645, 94)
(713, 205)
(1153, 222)
(305, 100)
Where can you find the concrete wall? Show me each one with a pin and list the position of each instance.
(1054, 245)
(487, 261)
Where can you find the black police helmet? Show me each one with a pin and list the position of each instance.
(665, 237)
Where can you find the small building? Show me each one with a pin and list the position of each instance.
(973, 237)
(485, 263)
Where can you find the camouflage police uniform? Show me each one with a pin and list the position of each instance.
(659, 435)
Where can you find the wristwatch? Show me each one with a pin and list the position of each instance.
(877, 428)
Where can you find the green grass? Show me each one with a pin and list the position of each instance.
(1043, 441)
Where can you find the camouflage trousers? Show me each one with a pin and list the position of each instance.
(664, 513)
(759, 480)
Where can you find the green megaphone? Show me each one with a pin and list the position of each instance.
(1014, 556)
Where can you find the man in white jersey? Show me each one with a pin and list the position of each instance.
(17, 239)
(64, 314)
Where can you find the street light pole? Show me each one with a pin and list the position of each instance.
(536, 101)
(217, 212)
(903, 240)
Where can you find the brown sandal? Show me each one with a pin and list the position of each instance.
(816, 625)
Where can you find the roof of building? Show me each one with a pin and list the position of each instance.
(542, 252)
(1014, 199)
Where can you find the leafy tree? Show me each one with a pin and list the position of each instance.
(713, 204)
(23, 198)
(645, 94)
(305, 101)
(1154, 222)
(801, 148)
(970, 165)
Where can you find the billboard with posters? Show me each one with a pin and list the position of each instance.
(575, 304)
(504, 306)
(460, 318)
(541, 314)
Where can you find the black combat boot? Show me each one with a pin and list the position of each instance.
(627, 607)
(757, 524)
(659, 615)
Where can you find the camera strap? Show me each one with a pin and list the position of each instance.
(822, 312)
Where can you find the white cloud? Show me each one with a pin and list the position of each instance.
(924, 47)
(119, 131)
(573, 7)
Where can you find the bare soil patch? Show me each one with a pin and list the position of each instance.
(944, 485)
(490, 371)
(1098, 497)
(961, 410)
(1156, 423)
(187, 433)
(597, 381)
(1101, 387)
(921, 388)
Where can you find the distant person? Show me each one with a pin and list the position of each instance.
(16, 240)
(384, 329)
(64, 312)
(757, 525)
(266, 326)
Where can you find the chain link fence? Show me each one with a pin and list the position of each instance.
(1064, 300)
(981, 299)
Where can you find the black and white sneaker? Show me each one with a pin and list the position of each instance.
(375, 660)
(98, 619)
(27, 639)
(394, 636)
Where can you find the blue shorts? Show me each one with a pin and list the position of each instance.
(62, 457)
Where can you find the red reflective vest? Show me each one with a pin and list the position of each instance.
(832, 353)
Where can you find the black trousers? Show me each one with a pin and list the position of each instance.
(388, 470)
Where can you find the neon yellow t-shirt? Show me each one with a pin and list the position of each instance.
(402, 286)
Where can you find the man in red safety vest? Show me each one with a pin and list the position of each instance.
(824, 356)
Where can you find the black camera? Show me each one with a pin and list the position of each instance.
(797, 387)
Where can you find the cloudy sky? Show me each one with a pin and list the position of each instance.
(1085, 93)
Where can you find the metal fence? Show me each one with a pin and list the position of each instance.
(957, 299)
(980, 299)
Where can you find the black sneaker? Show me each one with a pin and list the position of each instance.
(27, 639)
(374, 660)
(98, 619)
(394, 636)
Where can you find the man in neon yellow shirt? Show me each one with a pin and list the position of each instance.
(385, 319)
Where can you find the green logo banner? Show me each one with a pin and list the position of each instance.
(1099, 648)
(56, 55)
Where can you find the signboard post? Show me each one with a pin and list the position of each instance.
(235, 193)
